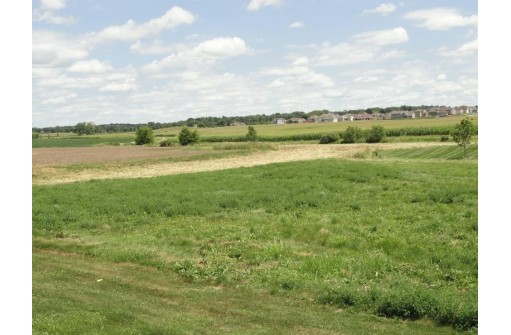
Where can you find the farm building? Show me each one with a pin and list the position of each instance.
(279, 121)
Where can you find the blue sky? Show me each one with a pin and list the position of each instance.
(115, 61)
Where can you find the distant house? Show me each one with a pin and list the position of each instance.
(363, 116)
(421, 113)
(347, 117)
(296, 120)
(328, 117)
(236, 123)
(279, 121)
(472, 110)
(313, 119)
(397, 114)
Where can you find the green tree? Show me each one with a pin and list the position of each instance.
(375, 135)
(462, 134)
(85, 128)
(329, 138)
(144, 136)
(186, 136)
(352, 135)
(251, 134)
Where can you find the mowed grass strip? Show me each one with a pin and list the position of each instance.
(440, 152)
(395, 239)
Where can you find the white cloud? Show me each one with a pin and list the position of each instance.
(131, 31)
(383, 37)
(54, 49)
(120, 86)
(441, 18)
(60, 99)
(343, 53)
(46, 13)
(383, 9)
(53, 4)
(441, 76)
(255, 5)
(301, 61)
(203, 55)
(156, 47)
(222, 47)
(366, 47)
(298, 74)
(466, 49)
(89, 66)
(297, 24)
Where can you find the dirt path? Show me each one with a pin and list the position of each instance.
(47, 175)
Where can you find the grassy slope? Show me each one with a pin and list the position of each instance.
(280, 238)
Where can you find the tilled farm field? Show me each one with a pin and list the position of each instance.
(60, 156)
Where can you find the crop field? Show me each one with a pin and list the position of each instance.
(381, 245)
(74, 141)
(318, 128)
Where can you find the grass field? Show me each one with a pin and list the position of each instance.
(319, 247)
(73, 141)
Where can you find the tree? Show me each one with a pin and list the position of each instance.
(144, 136)
(85, 128)
(329, 138)
(352, 135)
(375, 135)
(462, 134)
(252, 134)
(186, 136)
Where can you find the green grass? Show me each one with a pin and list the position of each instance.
(440, 152)
(288, 244)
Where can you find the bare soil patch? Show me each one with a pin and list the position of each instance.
(47, 175)
(62, 156)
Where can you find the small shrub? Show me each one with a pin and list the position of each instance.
(444, 138)
(166, 143)
(329, 138)
(407, 305)
(375, 135)
(252, 134)
(186, 136)
(340, 297)
(462, 318)
(352, 135)
(35, 135)
(144, 136)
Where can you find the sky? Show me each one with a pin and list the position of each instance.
(114, 61)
